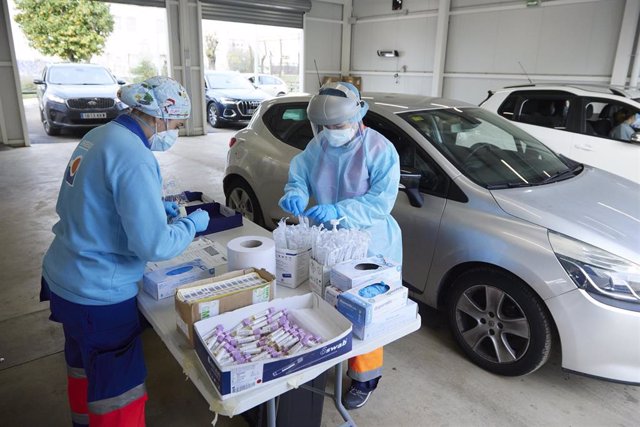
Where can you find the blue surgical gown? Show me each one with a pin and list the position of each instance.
(360, 179)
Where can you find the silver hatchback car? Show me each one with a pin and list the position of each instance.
(511, 239)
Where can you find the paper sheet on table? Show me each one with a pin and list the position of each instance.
(212, 254)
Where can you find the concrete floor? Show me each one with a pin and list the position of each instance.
(427, 381)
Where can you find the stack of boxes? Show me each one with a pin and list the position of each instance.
(369, 292)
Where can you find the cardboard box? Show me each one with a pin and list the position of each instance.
(355, 273)
(356, 81)
(331, 295)
(220, 217)
(309, 311)
(318, 277)
(362, 311)
(292, 266)
(190, 311)
(163, 282)
(387, 321)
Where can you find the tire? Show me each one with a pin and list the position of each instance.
(499, 322)
(242, 198)
(49, 129)
(213, 117)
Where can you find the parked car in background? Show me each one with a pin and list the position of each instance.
(77, 96)
(512, 240)
(576, 121)
(230, 98)
(273, 85)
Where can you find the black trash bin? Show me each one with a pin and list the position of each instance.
(296, 408)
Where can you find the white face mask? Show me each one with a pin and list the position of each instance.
(339, 137)
(162, 141)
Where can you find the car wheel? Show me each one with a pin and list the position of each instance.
(499, 322)
(242, 198)
(49, 128)
(213, 116)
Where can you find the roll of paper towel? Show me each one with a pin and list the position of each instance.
(252, 251)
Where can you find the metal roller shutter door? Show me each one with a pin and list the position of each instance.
(280, 13)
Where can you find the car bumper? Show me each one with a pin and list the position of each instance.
(64, 117)
(597, 339)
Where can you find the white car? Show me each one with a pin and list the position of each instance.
(575, 121)
(273, 85)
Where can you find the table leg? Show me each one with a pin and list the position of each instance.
(271, 412)
(337, 397)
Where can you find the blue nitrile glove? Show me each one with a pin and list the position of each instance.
(322, 213)
(171, 208)
(293, 204)
(200, 219)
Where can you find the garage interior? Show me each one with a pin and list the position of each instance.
(458, 49)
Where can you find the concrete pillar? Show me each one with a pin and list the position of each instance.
(345, 59)
(184, 19)
(442, 32)
(13, 125)
(625, 42)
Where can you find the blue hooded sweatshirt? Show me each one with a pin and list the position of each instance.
(112, 219)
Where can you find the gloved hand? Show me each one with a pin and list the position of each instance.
(200, 219)
(293, 204)
(322, 213)
(171, 208)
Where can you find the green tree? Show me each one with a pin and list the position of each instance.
(240, 58)
(74, 30)
(144, 70)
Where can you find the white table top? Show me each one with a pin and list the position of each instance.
(161, 314)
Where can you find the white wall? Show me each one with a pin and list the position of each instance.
(562, 40)
(322, 42)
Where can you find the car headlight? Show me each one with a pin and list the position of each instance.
(228, 100)
(55, 98)
(597, 271)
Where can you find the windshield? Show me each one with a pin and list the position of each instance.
(80, 76)
(228, 81)
(489, 150)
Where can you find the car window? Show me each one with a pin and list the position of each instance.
(227, 81)
(80, 75)
(289, 124)
(604, 118)
(508, 107)
(549, 109)
(412, 157)
(489, 151)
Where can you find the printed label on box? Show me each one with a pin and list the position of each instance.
(318, 277)
(292, 266)
(261, 294)
(209, 309)
(245, 377)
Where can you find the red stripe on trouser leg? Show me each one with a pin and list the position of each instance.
(367, 362)
(131, 415)
(77, 392)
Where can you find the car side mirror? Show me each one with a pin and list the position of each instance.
(410, 184)
(38, 82)
(122, 82)
(635, 138)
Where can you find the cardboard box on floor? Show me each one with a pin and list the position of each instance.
(189, 312)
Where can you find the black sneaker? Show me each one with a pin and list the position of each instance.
(355, 398)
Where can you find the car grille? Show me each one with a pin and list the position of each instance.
(90, 103)
(246, 106)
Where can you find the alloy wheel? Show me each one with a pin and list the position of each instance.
(492, 324)
(240, 200)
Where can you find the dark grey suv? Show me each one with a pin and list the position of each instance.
(77, 96)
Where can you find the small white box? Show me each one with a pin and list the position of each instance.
(355, 273)
(361, 310)
(308, 311)
(292, 266)
(162, 283)
(387, 321)
(331, 295)
(318, 277)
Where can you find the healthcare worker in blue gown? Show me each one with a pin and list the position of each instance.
(351, 172)
(112, 221)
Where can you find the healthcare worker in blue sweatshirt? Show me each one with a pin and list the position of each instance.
(353, 173)
(112, 221)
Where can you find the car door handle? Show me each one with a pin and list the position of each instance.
(585, 147)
